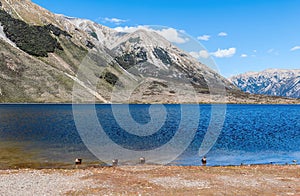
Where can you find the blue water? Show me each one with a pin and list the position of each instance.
(251, 134)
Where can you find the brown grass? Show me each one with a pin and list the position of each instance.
(193, 180)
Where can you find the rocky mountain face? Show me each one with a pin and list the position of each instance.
(274, 82)
(158, 70)
(45, 57)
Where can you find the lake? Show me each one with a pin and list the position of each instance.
(53, 135)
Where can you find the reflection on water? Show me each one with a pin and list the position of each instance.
(32, 155)
(46, 135)
(13, 154)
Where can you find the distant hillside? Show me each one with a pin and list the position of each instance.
(273, 82)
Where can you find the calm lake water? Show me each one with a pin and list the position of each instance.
(47, 136)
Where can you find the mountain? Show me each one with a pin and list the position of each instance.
(275, 82)
(158, 70)
(46, 57)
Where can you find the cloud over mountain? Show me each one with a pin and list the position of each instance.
(116, 21)
(170, 34)
(224, 53)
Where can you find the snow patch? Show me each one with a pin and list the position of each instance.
(5, 38)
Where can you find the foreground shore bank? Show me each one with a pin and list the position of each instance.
(154, 180)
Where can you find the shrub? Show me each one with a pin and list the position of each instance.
(34, 40)
(111, 78)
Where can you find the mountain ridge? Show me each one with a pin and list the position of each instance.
(276, 82)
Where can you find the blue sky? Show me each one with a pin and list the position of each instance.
(241, 35)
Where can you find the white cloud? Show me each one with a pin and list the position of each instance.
(194, 54)
(170, 34)
(244, 55)
(270, 50)
(127, 29)
(273, 52)
(255, 51)
(116, 21)
(200, 54)
(224, 53)
(295, 48)
(220, 53)
(222, 34)
(204, 37)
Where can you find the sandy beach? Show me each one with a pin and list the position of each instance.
(154, 180)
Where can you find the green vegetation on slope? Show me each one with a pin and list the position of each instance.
(34, 40)
(71, 53)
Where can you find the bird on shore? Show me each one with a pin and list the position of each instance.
(203, 160)
(142, 160)
(78, 161)
(115, 162)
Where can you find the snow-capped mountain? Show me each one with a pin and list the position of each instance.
(276, 82)
(146, 54)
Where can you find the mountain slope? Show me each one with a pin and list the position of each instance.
(274, 82)
(45, 57)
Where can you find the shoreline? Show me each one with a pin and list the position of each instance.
(93, 165)
(154, 180)
(68, 103)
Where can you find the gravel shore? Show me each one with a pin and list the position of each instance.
(152, 180)
(42, 182)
